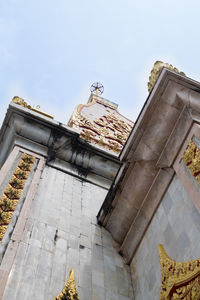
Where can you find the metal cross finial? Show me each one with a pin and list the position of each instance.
(97, 88)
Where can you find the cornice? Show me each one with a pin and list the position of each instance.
(60, 144)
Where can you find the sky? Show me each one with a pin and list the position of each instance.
(52, 51)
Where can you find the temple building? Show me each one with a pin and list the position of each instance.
(103, 208)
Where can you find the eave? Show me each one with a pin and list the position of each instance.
(168, 114)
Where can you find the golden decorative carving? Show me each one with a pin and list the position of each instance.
(13, 191)
(23, 103)
(191, 158)
(179, 280)
(109, 131)
(22, 175)
(69, 292)
(156, 71)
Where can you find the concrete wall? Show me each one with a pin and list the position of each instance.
(62, 233)
(176, 225)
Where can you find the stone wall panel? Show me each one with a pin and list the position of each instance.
(61, 233)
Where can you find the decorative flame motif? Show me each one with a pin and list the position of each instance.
(191, 158)
(179, 280)
(156, 71)
(69, 292)
(13, 191)
(20, 101)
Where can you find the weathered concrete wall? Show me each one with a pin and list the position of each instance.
(62, 233)
(176, 225)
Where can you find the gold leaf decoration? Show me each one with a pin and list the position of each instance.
(69, 292)
(156, 71)
(13, 191)
(6, 204)
(17, 183)
(191, 158)
(22, 175)
(179, 280)
(21, 102)
(108, 131)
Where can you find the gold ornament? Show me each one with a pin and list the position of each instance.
(20, 101)
(179, 280)
(13, 191)
(69, 292)
(108, 131)
(191, 158)
(156, 71)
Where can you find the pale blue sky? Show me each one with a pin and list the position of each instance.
(52, 51)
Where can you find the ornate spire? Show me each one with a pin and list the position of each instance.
(156, 71)
(69, 292)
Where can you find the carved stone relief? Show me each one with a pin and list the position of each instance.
(108, 131)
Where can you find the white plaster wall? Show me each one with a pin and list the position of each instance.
(62, 233)
(176, 225)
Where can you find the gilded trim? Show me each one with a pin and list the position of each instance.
(108, 131)
(191, 158)
(20, 101)
(69, 292)
(179, 280)
(156, 71)
(13, 191)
